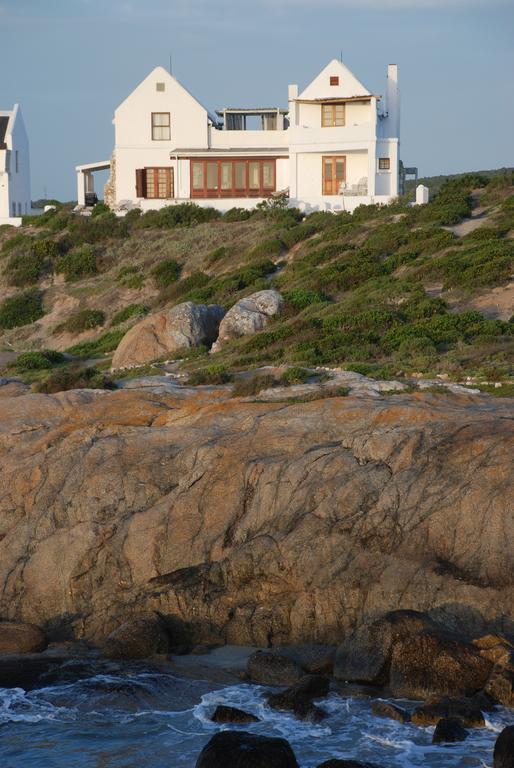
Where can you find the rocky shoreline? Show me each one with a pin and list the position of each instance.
(452, 681)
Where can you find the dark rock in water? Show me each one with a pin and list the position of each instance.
(238, 749)
(315, 659)
(484, 701)
(449, 729)
(16, 637)
(464, 709)
(223, 714)
(364, 655)
(384, 709)
(431, 664)
(137, 638)
(29, 671)
(298, 699)
(272, 668)
(346, 764)
(356, 691)
(500, 686)
(504, 749)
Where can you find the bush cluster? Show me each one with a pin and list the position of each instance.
(77, 263)
(165, 273)
(21, 309)
(84, 320)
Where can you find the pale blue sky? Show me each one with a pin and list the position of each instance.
(69, 63)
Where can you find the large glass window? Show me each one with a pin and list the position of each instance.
(233, 178)
(161, 126)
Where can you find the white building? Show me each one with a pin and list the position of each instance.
(14, 168)
(334, 147)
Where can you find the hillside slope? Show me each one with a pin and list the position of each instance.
(385, 291)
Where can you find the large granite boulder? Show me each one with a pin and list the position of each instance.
(248, 315)
(164, 333)
(272, 668)
(449, 730)
(137, 638)
(364, 656)
(238, 749)
(16, 637)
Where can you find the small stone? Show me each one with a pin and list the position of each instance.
(384, 709)
(223, 714)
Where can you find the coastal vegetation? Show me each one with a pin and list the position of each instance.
(388, 291)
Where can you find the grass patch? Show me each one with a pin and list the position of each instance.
(77, 263)
(129, 312)
(104, 344)
(75, 377)
(84, 320)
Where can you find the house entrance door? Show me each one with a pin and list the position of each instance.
(334, 174)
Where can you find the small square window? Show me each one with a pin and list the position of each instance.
(334, 80)
(159, 86)
(384, 164)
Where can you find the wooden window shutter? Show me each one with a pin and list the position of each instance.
(140, 182)
(171, 185)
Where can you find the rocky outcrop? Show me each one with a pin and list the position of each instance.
(21, 638)
(466, 710)
(164, 333)
(299, 698)
(254, 523)
(449, 730)
(389, 711)
(235, 749)
(248, 315)
(504, 749)
(271, 668)
(137, 638)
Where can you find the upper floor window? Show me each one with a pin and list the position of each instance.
(332, 115)
(334, 80)
(161, 129)
(384, 164)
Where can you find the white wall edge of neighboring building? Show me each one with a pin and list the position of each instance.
(12, 221)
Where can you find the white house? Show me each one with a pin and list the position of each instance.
(14, 168)
(334, 147)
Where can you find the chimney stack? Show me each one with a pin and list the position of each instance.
(393, 100)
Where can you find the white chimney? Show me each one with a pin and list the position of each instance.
(393, 101)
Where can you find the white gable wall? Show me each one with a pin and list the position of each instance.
(15, 199)
(320, 87)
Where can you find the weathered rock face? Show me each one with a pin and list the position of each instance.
(163, 333)
(248, 315)
(137, 638)
(256, 523)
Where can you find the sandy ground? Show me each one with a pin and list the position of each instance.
(221, 665)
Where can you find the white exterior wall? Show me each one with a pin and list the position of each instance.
(15, 199)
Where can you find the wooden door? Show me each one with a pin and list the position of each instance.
(334, 174)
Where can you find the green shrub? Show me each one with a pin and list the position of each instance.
(165, 272)
(237, 214)
(75, 377)
(105, 343)
(33, 361)
(24, 269)
(97, 229)
(131, 276)
(300, 298)
(216, 255)
(180, 215)
(22, 309)
(99, 209)
(77, 263)
(131, 310)
(296, 234)
(216, 373)
(84, 320)
(189, 288)
(295, 375)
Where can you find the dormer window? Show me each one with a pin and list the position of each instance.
(332, 115)
(161, 127)
(334, 80)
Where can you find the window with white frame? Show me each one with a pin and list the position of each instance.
(161, 126)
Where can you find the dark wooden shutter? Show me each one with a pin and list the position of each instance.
(171, 183)
(140, 182)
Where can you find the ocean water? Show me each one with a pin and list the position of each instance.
(153, 720)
